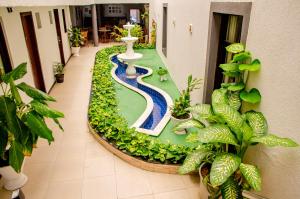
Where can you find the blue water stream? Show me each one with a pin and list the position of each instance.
(160, 104)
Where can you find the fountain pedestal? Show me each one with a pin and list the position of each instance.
(130, 56)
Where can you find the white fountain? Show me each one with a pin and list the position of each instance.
(130, 56)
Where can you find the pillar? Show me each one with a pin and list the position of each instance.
(95, 25)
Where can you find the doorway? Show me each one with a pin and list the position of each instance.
(165, 25)
(5, 62)
(32, 47)
(228, 23)
(59, 38)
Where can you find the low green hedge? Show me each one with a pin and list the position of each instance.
(105, 120)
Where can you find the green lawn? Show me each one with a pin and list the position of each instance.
(132, 105)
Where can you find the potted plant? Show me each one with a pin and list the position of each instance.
(75, 39)
(225, 133)
(162, 72)
(58, 72)
(21, 125)
(179, 111)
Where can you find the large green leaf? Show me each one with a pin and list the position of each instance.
(235, 48)
(15, 92)
(16, 73)
(204, 110)
(188, 124)
(231, 74)
(254, 66)
(246, 131)
(271, 140)
(218, 133)
(16, 156)
(243, 56)
(234, 100)
(231, 189)
(236, 86)
(34, 93)
(44, 110)
(193, 161)
(9, 113)
(257, 122)
(219, 96)
(3, 140)
(253, 96)
(223, 167)
(230, 67)
(231, 116)
(252, 175)
(37, 125)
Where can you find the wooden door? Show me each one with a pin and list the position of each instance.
(59, 38)
(32, 47)
(4, 55)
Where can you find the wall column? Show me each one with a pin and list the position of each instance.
(95, 25)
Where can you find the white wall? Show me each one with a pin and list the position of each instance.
(274, 38)
(46, 40)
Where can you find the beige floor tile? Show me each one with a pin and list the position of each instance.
(194, 193)
(35, 191)
(102, 187)
(165, 182)
(67, 170)
(179, 194)
(191, 180)
(37, 173)
(43, 154)
(96, 167)
(95, 150)
(64, 190)
(124, 167)
(132, 184)
(141, 197)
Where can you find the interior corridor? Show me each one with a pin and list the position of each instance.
(76, 166)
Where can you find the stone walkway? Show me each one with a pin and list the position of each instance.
(75, 166)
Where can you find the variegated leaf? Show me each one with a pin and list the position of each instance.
(235, 48)
(257, 122)
(246, 131)
(193, 161)
(188, 124)
(252, 175)
(218, 133)
(272, 140)
(235, 101)
(204, 110)
(219, 96)
(231, 116)
(223, 167)
(231, 189)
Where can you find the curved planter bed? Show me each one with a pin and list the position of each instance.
(156, 167)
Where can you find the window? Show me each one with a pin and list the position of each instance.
(165, 25)
(64, 20)
(135, 16)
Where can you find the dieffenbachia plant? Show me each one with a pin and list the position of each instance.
(225, 132)
(21, 124)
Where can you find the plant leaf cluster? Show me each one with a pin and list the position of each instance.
(75, 37)
(21, 123)
(230, 131)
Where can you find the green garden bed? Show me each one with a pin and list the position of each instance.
(107, 113)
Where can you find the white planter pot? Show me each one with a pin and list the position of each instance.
(75, 51)
(12, 179)
(176, 121)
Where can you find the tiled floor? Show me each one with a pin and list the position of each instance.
(75, 166)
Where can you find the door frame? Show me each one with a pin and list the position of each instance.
(36, 65)
(59, 36)
(164, 42)
(232, 8)
(6, 48)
